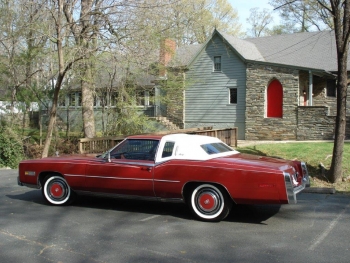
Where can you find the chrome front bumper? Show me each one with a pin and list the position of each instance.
(19, 182)
(292, 191)
(28, 185)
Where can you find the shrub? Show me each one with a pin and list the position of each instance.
(11, 147)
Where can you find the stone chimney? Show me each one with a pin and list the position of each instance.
(167, 51)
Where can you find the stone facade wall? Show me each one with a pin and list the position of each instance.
(258, 127)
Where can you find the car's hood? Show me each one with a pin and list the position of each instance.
(64, 158)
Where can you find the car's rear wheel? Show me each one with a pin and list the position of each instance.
(210, 203)
(56, 190)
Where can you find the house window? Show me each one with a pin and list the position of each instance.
(217, 63)
(274, 100)
(113, 99)
(140, 98)
(62, 101)
(96, 101)
(79, 99)
(75, 99)
(233, 96)
(149, 97)
(72, 99)
(331, 88)
(145, 97)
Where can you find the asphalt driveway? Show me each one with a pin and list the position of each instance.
(317, 229)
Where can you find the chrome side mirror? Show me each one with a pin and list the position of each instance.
(109, 156)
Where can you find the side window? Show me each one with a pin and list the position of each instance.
(217, 63)
(136, 149)
(168, 149)
(233, 96)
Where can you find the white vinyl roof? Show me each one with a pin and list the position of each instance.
(188, 147)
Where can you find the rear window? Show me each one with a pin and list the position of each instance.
(213, 148)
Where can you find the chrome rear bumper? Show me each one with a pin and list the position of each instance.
(292, 191)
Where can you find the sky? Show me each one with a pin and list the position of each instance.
(243, 7)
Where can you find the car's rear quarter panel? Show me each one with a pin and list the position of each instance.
(244, 184)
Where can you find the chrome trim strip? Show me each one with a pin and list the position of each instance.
(269, 171)
(167, 181)
(123, 162)
(74, 175)
(118, 178)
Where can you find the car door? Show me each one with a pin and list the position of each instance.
(129, 171)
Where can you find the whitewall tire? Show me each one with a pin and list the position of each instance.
(210, 203)
(56, 190)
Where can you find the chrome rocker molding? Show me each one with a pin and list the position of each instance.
(130, 197)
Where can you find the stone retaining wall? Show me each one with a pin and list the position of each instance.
(315, 124)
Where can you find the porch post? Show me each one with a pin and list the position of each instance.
(156, 102)
(310, 87)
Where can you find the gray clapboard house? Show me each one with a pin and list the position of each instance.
(272, 88)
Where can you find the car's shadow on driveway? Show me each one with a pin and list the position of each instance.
(253, 214)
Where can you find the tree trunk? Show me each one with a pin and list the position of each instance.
(335, 173)
(87, 88)
(87, 102)
(341, 17)
(61, 74)
(50, 128)
(88, 110)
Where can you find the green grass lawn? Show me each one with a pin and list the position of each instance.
(313, 153)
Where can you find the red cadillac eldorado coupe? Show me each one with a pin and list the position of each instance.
(201, 171)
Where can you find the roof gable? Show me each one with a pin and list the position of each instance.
(245, 50)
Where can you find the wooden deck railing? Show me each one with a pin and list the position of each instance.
(102, 144)
(98, 145)
(228, 136)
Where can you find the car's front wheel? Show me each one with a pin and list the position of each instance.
(56, 190)
(210, 203)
